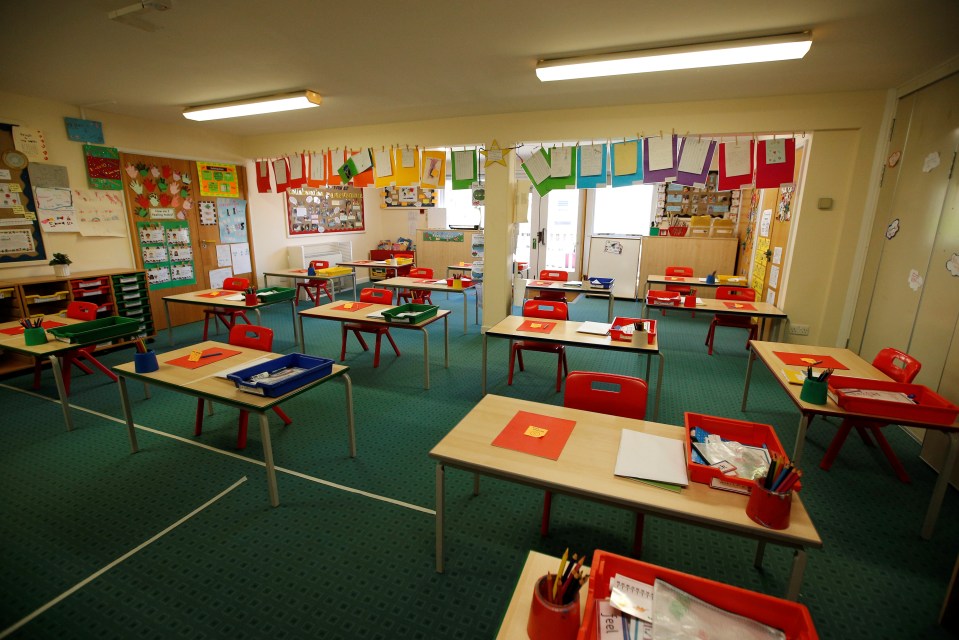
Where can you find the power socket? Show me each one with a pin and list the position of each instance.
(799, 329)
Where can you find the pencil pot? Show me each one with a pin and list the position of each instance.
(35, 336)
(250, 299)
(813, 391)
(690, 299)
(768, 508)
(710, 279)
(145, 362)
(550, 621)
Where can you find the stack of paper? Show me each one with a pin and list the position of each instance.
(599, 328)
(652, 458)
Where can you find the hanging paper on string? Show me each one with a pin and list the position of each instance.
(263, 176)
(591, 161)
(465, 169)
(627, 163)
(660, 160)
(433, 174)
(383, 167)
(775, 163)
(735, 165)
(695, 158)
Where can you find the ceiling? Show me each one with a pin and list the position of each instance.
(379, 62)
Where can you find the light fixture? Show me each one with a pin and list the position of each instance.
(714, 54)
(255, 106)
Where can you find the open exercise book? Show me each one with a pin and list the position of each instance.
(646, 457)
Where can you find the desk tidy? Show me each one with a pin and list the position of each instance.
(554, 609)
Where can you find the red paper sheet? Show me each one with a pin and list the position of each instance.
(536, 326)
(728, 182)
(807, 359)
(544, 283)
(548, 446)
(214, 294)
(16, 331)
(739, 305)
(352, 306)
(676, 278)
(426, 281)
(301, 271)
(184, 361)
(363, 261)
(771, 176)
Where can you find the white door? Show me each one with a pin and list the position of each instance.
(553, 232)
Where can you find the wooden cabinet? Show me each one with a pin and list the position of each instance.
(386, 254)
(704, 255)
(121, 293)
(437, 249)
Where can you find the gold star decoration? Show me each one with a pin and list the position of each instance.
(495, 154)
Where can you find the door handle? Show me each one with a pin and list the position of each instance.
(541, 236)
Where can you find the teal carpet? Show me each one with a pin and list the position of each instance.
(350, 551)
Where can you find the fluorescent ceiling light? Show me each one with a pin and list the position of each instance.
(255, 106)
(713, 54)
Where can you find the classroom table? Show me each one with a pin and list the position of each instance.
(762, 310)
(536, 566)
(692, 281)
(464, 268)
(857, 368)
(566, 333)
(572, 291)
(585, 468)
(374, 264)
(431, 284)
(301, 274)
(53, 349)
(330, 311)
(196, 298)
(204, 383)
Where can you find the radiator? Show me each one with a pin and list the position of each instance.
(334, 252)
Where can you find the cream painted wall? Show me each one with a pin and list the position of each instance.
(127, 134)
(848, 125)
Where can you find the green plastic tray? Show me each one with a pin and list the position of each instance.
(410, 313)
(96, 330)
(274, 294)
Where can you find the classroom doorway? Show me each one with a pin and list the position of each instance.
(552, 238)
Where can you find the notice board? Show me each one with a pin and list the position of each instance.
(312, 211)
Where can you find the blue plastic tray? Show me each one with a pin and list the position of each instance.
(601, 283)
(286, 374)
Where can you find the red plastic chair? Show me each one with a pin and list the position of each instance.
(76, 310)
(681, 289)
(550, 310)
(611, 394)
(251, 337)
(314, 287)
(739, 294)
(899, 366)
(552, 275)
(418, 296)
(227, 315)
(376, 296)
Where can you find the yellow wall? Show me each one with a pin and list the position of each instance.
(127, 134)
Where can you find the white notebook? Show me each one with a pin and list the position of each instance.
(648, 457)
(599, 328)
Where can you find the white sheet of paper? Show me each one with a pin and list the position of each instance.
(771, 296)
(693, 159)
(408, 158)
(362, 161)
(317, 166)
(223, 256)
(737, 159)
(384, 163)
(764, 223)
(599, 328)
(240, 254)
(777, 255)
(236, 297)
(538, 166)
(773, 276)
(279, 170)
(560, 162)
(217, 276)
(776, 151)
(649, 457)
(465, 168)
(660, 152)
(296, 166)
(591, 159)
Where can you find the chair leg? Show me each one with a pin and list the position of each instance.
(638, 535)
(395, 348)
(84, 368)
(864, 434)
(512, 359)
(376, 352)
(206, 325)
(96, 363)
(890, 455)
(560, 366)
(329, 295)
(242, 429)
(285, 418)
(710, 336)
(359, 336)
(198, 423)
(835, 446)
(547, 505)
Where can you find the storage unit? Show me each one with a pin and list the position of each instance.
(387, 254)
(703, 254)
(133, 300)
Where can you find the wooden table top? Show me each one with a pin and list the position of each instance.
(416, 283)
(566, 332)
(196, 297)
(329, 311)
(18, 343)
(565, 287)
(712, 305)
(585, 468)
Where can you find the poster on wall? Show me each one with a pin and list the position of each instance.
(167, 253)
(100, 213)
(55, 210)
(103, 167)
(232, 219)
(404, 197)
(218, 180)
(312, 211)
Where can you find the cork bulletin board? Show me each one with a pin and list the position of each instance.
(21, 242)
(312, 211)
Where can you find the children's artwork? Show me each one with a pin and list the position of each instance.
(9, 198)
(84, 130)
(433, 169)
(207, 211)
(408, 197)
(159, 191)
(775, 163)
(383, 167)
(166, 252)
(223, 256)
(48, 175)
(281, 172)
(218, 180)
(55, 210)
(263, 176)
(297, 164)
(443, 236)
(406, 167)
(103, 167)
(158, 277)
(465, 168)
(240, 255)
(591, 162)
(915, 280)
(232, 216)
(892, 229)
(952, 265)
(695, 158)
(31, 142)
(317, 174)
(328, 210)
(357, 164)
(16, 242)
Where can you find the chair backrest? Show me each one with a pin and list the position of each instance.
(548, 309)
(252, 336)
(236, 284)
(377, 296)
(82, 310)
(740, 294)
(686, 272)
(319, 264)
(553, 275)
(421, 272)
(609, 393)
(899, 366)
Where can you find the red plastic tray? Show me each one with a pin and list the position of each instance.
(792, 617)
(930, 407)
(753, 434)
(663, 298)
(616, 334)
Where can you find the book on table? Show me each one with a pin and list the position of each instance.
(648, 457)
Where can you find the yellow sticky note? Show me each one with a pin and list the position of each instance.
(15, 188)
(213, 294)
(809, 361)
(348, 305)
(534, 325)
(195, 355)
(535, 432)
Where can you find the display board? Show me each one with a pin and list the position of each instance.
(20, 239)
(312, 211)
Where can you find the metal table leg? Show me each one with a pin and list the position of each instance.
(800, 438)
(749, 375)
(439, 517)
(61, 391)
(426, 358)
(351, 427)
(659, 385)
(268, 459)
(128, 414)
(446, 341)
(483, 387)
(795, 577)
(169, 325)
(302, 337)
(942, 483)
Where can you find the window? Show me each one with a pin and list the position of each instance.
(459, 207)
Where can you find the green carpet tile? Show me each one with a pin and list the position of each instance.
(335, 563)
